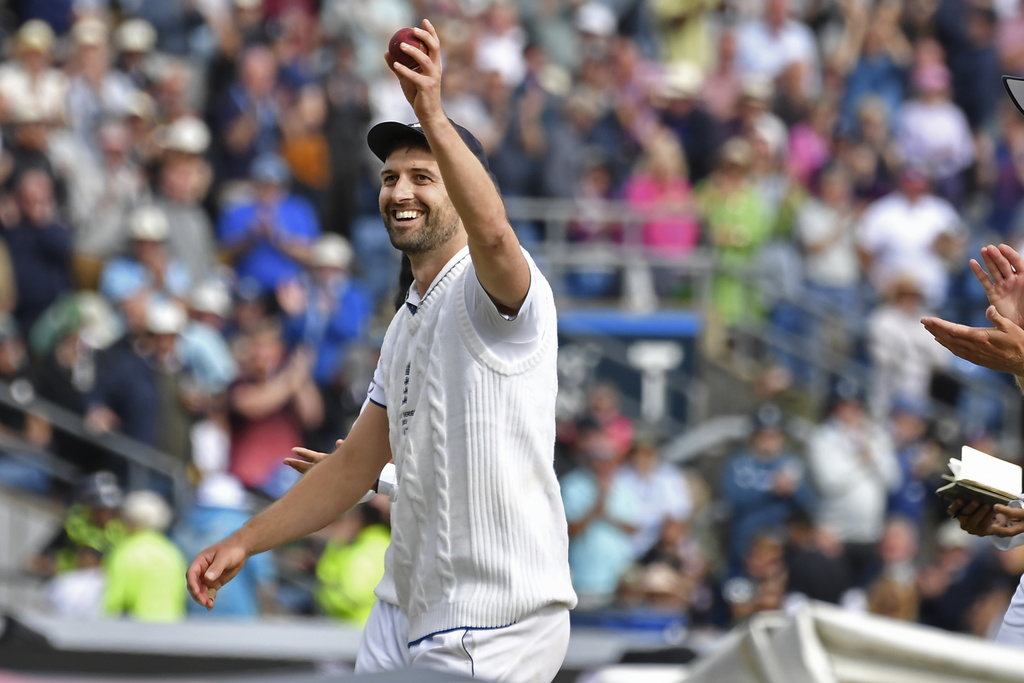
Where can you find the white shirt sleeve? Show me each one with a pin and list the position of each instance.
(509, 338)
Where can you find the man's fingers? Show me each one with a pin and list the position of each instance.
(998, 320)
(955, 507)
(997, 262)
(994, 271)
(300, 466)
(982, 276)
(1013, 258)
(1016, 514)
(312, 456)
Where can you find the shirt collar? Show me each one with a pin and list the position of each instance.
(413, 300)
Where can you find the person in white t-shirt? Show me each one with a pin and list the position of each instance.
(477, 577)
(910, 231)
(771, 44)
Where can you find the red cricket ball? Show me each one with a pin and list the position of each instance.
(405, 35)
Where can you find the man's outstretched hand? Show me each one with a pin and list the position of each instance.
(213, 568)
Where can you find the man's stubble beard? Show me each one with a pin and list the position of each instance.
(438, 229)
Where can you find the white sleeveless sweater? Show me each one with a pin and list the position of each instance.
(479, 535)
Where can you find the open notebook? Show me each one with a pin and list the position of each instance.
(980, 476)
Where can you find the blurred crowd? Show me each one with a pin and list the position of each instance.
(191, 255)
(839, 509)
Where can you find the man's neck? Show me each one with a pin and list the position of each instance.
(425, 267)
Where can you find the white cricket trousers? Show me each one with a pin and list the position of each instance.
(528, 651)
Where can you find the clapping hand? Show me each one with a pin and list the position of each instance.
(999, 348)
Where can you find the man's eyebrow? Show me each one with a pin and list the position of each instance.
(413, 169)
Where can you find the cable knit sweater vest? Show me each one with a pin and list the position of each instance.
(479, 533)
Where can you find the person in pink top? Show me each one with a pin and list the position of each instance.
(659, 189)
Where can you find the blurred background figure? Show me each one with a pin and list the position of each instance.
(602, 515)
(221, 507)
(763, 485)
(326, 310)
(854, 469)
(270, 405)
(145, 572)
(269, 239)
(352, 564)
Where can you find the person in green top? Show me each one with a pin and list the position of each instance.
(738, 224)
(352, 564)
(145, 572)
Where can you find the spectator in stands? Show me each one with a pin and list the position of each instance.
(910, 231)
(221, 507)
(761, 585)
(273, 401)
(305, 146)
(602, 518)
(815, 567)
(680, 109)
(269, 239)
(723, 84)
(874, 55)
(974, 61)
(134, 40)
(763, 484)
(93, 520)
(18, 465)
(30, 79)
(854, 469)
(174, 23)
(825, 232)
(100, 208)
(738, 223)
(77, 593)
(659, 188)
(247, 118)
(327, 310)
(661, 491)
(1007, 175)
(95, 90)
(933, 133)
(954, 580)
(165, 322)
(202, 345)
(352, 564)
(903, 355)
(768, 45)
(919, 456)
(182, 182)
(604, 408)
(40, 248)
(145, 572)
(148, 266)
(131, 408)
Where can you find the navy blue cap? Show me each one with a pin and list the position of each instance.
(385, 137)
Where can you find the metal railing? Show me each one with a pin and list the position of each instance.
(141, 460)
(558, 256)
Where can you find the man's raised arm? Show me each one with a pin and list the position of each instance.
(500, 264)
